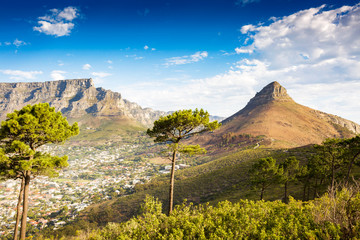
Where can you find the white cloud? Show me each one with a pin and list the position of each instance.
(315, 33)
(101, 74)
(109, 61)
(245, 2)
(86, 66)
(196, 57)
(69, 14)
(314, 53)
(59, 23)
(58, 75)
(243, 50)
(19, 43)
(21, 75)
(146, 47)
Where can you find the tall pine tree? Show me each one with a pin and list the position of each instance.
(21, 134)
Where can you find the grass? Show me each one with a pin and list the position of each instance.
(100, 130)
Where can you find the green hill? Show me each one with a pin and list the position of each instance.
(220, 178)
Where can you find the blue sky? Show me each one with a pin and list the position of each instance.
(171, 54)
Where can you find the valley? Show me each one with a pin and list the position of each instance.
(114, 165)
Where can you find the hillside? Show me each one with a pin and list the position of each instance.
(274, 114)
(223, 177)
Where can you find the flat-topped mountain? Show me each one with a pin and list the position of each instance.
(74, 98)
(274, 114)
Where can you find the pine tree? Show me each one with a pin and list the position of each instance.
(264, 173)
(21, 134)
(176, 127)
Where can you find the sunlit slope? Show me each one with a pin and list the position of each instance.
(102, 129)
(274, 114)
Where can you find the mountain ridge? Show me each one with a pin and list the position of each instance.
(74, 98)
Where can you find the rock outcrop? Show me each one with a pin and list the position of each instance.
(272, 92)
(74, 98)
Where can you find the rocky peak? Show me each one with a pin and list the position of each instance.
(271, 92)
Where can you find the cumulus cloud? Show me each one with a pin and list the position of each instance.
(101, 74)
(58, 75)
(146, 47)
(86, 66)
(59, 23)
(196, 57)
(307, 37)
(19, 75)
(314, 53)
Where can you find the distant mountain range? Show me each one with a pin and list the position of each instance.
(271, 113)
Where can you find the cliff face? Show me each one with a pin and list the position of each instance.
(74, 98)
(272, 92)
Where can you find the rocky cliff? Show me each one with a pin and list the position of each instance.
(74, 98)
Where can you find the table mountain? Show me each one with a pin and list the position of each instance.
(74, 98)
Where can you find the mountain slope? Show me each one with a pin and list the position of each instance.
(285, 123)
(74, 98)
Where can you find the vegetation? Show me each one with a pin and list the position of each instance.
(303, 173)
(21, 134)
(226, 177)
(289, 170)
(174, 128)
(336, 215)
(264, 173)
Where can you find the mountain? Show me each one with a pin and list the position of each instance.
(284, 123)
(76, 99)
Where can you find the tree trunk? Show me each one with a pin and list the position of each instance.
(332, 173)
(25, 205)
(286, 194)
(315, 188)
(18, 208)
(350, 166)
(171, 192)
(262, 192)
(306, 183)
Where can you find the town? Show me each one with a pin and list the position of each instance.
(94, 174)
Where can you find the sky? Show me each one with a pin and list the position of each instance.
(171, 54)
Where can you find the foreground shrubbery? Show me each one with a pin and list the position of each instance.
(336, 215)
